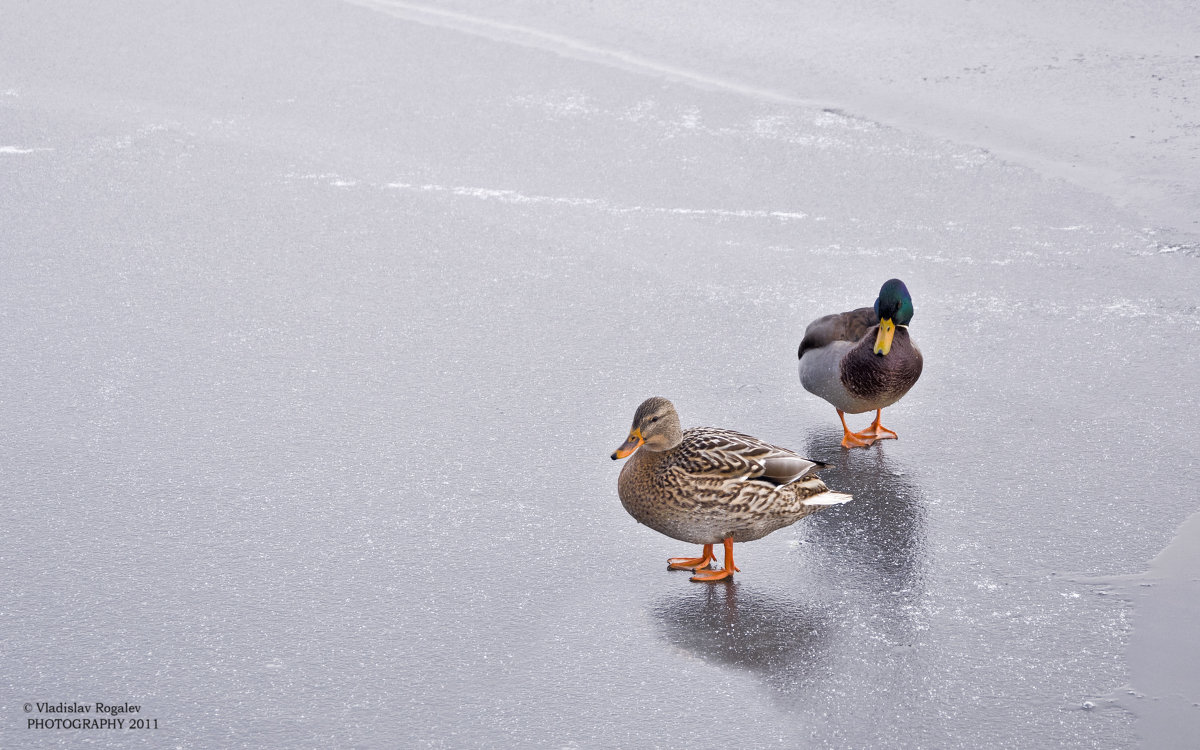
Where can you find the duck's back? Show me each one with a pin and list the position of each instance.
(847, 326)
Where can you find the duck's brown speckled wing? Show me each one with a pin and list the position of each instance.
(847, 326)
(724, 454)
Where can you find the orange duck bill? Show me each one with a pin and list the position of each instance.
(632, 443)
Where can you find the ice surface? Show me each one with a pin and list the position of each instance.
(321, 324)
(1103, 99)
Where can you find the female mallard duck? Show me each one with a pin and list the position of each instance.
(707, 485)
(863, 360)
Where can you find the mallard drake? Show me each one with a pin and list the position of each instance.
(709, 486)
(863, 360)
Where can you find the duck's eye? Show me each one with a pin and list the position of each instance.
(653, 420)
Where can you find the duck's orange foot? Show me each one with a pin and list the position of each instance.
(877, 431)
(857, 440)
(853, 439)
(692, 563)
(708, 576)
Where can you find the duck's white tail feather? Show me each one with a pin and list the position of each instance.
(829, 498)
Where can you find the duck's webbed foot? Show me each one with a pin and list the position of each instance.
(709, 576)
(854, 439)
(877, 431)
(692, 563)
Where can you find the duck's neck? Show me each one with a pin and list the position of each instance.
(901, 338)
(867, 374)
(659, 449)
(900, 341)
(643, 461)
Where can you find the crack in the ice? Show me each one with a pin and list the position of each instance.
(566, 46)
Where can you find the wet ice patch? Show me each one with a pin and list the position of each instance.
(1128, 308)
(1078, 310)
(769, 126)
(19, 150)
(970, 159)
(1191, 250)
(516, 197)
(566, 105)
(676, 121)
(740, 214)
(786, 129)
(832, 118)
(504, 196)
(333, 179)
(638, 112)
(691, 118)
(672, 122)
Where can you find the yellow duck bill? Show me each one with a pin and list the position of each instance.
(883, 342)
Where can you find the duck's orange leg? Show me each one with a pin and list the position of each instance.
(720, 575)
(877, 431)
(853, 439)
(692, 563)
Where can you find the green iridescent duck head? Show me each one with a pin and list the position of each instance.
(893, 307)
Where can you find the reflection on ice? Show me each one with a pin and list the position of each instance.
(781, 640)
(883, 529)
(852, 609)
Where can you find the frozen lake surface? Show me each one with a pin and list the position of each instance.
(322, 319)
